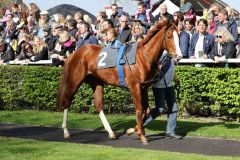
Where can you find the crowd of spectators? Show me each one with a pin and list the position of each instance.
(26, 32)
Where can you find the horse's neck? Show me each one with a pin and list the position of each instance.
(154, 48)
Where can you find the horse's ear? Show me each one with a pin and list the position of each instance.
(175, 22)
(164, 22)
(161, 22)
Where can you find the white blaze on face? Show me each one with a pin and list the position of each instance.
(176, 42)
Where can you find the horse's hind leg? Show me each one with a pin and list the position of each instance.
(98, 95)
(64, 124)
(67, 95)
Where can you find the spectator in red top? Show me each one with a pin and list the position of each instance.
(211, 24)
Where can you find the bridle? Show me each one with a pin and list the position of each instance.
(158, 65)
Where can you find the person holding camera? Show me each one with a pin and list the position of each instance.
(64, 47)
(26, 51)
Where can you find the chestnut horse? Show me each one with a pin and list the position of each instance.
(81, 66)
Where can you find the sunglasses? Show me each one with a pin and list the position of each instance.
(219, 36)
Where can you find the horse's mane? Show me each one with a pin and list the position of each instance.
(158, 26)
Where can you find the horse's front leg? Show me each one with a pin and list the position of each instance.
(64, 124)
(98, 95)
(138, 101)
(145, 110)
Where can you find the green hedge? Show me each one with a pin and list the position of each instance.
(214, 90)
(203, 91)
(34, 87)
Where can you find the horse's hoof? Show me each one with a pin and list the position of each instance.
(130, 131)
(112, 136)
(144, 141)
(67, 135)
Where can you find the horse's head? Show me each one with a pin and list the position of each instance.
(171, 40)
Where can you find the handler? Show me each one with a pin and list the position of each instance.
(163, 91)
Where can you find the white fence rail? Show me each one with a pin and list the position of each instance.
(233, 60)
(182, 61)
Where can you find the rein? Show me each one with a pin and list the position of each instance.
(158, 65)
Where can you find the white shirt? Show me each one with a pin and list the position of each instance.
(199, 51)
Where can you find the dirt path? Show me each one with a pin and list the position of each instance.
(204, 146)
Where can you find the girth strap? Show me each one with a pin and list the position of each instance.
(120, 66)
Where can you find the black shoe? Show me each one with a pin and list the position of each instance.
(173, 136)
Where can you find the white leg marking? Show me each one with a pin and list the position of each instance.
(130, 131)
(177, 45)
(64, 125)
(106, 125)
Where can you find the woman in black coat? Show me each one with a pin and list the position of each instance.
(40, 50)
(224, 47)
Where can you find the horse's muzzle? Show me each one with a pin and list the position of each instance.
(176, 57)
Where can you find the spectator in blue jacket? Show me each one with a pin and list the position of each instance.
(113, 42)
(184, 37)
(189, 27)
(86, 36)
(229, 24)
(184, 40)
(202, 42)
(142, 14)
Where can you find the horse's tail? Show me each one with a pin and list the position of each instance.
(72, 76)
(62, 92)
(67, 88)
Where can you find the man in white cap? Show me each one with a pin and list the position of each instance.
(44, 20)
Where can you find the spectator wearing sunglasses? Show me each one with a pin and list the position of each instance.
(224, 47)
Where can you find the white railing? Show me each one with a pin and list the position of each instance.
(27, 62)
(182, 61)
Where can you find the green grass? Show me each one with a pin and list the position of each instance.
(22, 149)
(189, 127)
